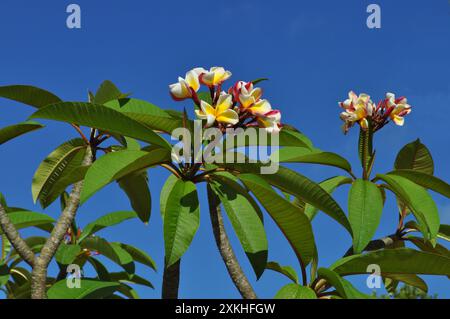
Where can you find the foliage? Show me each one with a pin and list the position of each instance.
(131, 135)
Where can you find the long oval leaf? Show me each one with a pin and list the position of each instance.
(396, 261)
(13, 131)
(181, 220)
(89, 289)
(305, 155)
(29, 95)
(365, 205)
(246, 221)
(424, 180)
(418, 201)
(53, 167)
(138, 192)
(294, 291)
(416, 156)
(25, 219)
(102, 118)
(116, 165)
(290, 219)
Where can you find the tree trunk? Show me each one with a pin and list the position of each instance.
(171, 281)
(41, 262)
(226, 251)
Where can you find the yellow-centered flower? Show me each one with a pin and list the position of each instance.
(215, 76)
(270, 121)
(357, 109)
(185, 88)
(221, 113)
(397, 108)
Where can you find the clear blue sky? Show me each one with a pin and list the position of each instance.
(314, 52)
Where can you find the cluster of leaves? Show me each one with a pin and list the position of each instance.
(291, 199)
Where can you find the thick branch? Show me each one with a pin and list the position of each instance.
(39, 273)
(234, 269)
(14, 237)
(376, 244)
(171, 281)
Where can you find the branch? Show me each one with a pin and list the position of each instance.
(234, 269)
(376, 244)
(14, 237)
(171, 281)
(57, 235)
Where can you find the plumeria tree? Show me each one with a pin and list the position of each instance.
(216, 150)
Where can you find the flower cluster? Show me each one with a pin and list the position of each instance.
(360, 109)
(241, 106)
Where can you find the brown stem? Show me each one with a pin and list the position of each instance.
(14, 237)
(226, 251)
(171, 281)
(39, 273)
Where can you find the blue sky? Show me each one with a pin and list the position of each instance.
(313, 52)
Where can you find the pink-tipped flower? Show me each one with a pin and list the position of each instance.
(186, 88)
(246, 94)
(215, 76)
(397, 108)
(271, 121)
(357, 110)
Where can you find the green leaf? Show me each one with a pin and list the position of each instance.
(102, 118)
(305, 155)
(115, 165)
(147, 114)
(100, 269)
(165, 191)
(66, 254)
(181, 220)
(29, 95)
(105, 221)
(13, 131)
(69, 177)
(415, 156)
(294, 291)
(424, 180)
(418, 201)
(139, 256)
(89, 289)
(138, 192)
(287, 271)
(394, 261)
(25, 219)
(286, 138)
(124, 277)
(112, 251)
(300, 186)
(409, 279)
(290, 219)
(428, 247)
(365, 205)
(329, 185)
(244, 215)
(343, 287)
(107, 92)
(66, 156)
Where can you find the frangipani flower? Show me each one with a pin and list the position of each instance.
(215, 76)
(187, 87)
(260, 108)
(397, 108)
(270, 121)
(357, 109)
(246, 94)
(222, 112)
